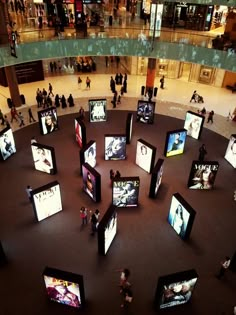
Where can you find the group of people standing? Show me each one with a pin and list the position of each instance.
(118, 81)
(44, 98)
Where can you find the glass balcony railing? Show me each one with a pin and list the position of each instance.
(188, 38)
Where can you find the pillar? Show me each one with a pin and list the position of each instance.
(151, 74)
(9, 71)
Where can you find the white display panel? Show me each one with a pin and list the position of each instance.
(90, 155)
(110, 231)
(42, 159)
(144, 156)
(193, 124)
(47, 202)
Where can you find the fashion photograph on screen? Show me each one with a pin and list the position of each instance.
(178, 220)
(98, 111)
(126, 195)
(115, 148)
(193, 126)
(203, 178)
(50, 123)
(145, 113)
(90, 156)
(42, 159)
(7, 145)
(176, 143)
(63, 292)
(177, 293)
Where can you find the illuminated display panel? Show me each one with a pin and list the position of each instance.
(203, 175)
(156, 178)
(80, 133)
(115, 147)
(48, 120)
(88, 154)
(193, 124)
(98, 110)
(175, 142)
(181, 216)
(230, 154)
(7, 143)
(91, 182)
(145, 111)
(44, 158)
(107, 230)
(125, 191)
(175, 289)
(145, 155)
(47, 200)
(64, 287)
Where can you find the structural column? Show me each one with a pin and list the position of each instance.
(151, 74)
(4, 39)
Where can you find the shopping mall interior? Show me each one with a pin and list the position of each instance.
(145, 242)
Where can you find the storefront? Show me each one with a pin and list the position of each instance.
(187, 15)
(188, 72)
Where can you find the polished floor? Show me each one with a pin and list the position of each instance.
(145, 242)
(172, 101)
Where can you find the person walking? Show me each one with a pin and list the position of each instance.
(29, 192)
(21, 117)
(14, 114)
(71, 101)
(117, 174)
(81, 113)
(128, 296)
(202, 153)
(79, 82)
(224, 266)
(88, 81)
(50, 88)
(194, 97)
(40, 25)
(210, 116)
(162, 81)
(84, 215)
(94, 221)
(31, 117)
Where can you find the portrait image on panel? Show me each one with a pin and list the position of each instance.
(115, 147)
(7, 143)
(176, 289)
(129, 127)
(203, 175)
(175, 141)
(44, 158)
(91, 182)
(178, 217)
(145, 155)
(193, 124)
(146, 111)
(230, 154)
(90, 154)
(80, 133)
(97, 110)
(125, 192)
(47, 200)
(48, 120)
(64, 287)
